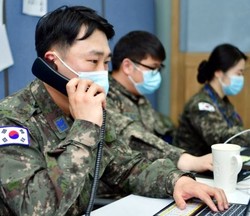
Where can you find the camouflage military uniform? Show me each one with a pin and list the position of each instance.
(207, 119)
(139, 109)
(53, 174)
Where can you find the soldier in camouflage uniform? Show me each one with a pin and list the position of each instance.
(209, 117)
(48, 140)
(142, 127)
(129, 98)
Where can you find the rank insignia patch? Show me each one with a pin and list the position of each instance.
(61, 124)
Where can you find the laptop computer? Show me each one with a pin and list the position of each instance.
(195, 207)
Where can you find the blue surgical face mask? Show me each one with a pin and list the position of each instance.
(151, 82)
(98, 77)
(235, 86)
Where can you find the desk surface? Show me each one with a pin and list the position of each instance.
(241, 195)
(134, 205)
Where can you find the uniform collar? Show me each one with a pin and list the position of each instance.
(209, 89)
(115, 85)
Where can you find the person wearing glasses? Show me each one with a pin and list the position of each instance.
(136, 63)
(209, 117)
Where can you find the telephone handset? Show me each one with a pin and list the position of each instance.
(43, 71)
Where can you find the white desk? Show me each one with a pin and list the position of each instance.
(134, 205)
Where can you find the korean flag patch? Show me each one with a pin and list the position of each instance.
(206, 107)
(14, 136)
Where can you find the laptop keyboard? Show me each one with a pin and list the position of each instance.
(234, 210)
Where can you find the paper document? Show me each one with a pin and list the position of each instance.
(6, 59)
(35, 7)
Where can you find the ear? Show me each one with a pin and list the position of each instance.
(127, 66)
(218, 74)
(50, 56)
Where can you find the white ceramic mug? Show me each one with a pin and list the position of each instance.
(227, 163)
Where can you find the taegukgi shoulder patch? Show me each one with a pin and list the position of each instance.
(13, 136)
(206, 107)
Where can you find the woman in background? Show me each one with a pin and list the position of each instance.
(209, 117)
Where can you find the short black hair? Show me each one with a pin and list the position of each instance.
(137, 45)
(61, 27)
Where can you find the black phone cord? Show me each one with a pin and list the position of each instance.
(97, 167)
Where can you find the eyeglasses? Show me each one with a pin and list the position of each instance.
(149, 67)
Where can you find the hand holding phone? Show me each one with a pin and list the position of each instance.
(86, 100)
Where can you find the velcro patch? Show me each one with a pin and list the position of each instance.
(14, 136)
(206, 107)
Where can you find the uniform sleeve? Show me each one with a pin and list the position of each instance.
(139, 139)
(131, 172)
(213, 127)
(136, 171)
(38, 181)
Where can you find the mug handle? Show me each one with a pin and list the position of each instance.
(238, 163)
